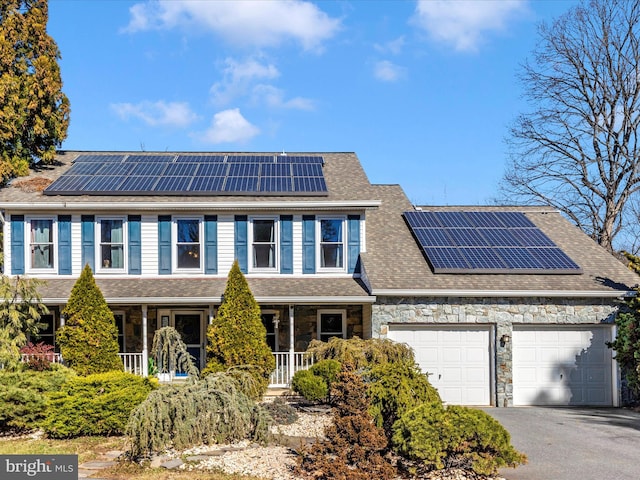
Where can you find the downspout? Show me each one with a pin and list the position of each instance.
(145, 346)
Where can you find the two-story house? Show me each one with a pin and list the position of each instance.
(502, 305)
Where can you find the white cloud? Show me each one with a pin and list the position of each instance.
(249, 23)
(238, 77)
(464, 23)
(394, 46)
(229, 126)
(160, 113)
(274, 97)
(388, 72)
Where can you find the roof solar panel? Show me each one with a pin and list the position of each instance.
(275, 184)
(422, 219)
(84, 168)
(514, 219)
(241, 184)
(453, 219)
(300, 159)
(212, 169)
(103, 183)
(309, 184)
(121, 169)
(482, 258)
(489, 246)
(181, 169)
(446, 259)
(69, 183)
(466, 237)
(150, 158)
(149, 168)
(99, 158)
(172, 184)
(275, 170)
(207, 184)
(250, 159)
(433, 237)
(244, 169)
(137, 183)
(200, 158)
(307, 170)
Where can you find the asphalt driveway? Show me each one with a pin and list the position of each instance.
(573, 443)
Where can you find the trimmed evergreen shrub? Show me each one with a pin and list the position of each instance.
(627, 345)
(310, 386)
(395, 388)
(236, 336)
(88, 340)
(216, 409)
(98, 404)
(328, 370)
(23, 396)
(456, 437)
(354, 447)
(361, 353)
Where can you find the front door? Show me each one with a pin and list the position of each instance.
(190, 326)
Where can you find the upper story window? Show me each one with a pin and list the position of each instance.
(111, 239)
(331, 244)
(188, 243)
(264, 244)
(41, 243)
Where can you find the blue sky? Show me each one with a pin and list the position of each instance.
(422, 91)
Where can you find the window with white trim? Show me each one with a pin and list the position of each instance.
(42, 237)
(331, 244)
(263, 238)
(332, 323)
(111, 244)
(188, 244)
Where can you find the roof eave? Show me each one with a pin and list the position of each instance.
(295, 300)
(503, 293)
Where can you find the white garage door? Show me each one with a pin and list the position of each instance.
(562, 365)
(457, 359)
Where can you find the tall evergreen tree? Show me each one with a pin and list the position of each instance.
(89, 338)
(237, 337)
(34, 112)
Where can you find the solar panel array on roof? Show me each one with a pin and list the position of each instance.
(486, 242)
(153, 174)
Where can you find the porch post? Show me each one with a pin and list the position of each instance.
(145, 346)
(292, 346)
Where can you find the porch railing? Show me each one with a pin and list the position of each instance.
(52, 357)
(132, 362)
(287, 364)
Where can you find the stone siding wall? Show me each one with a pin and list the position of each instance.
(502, 313)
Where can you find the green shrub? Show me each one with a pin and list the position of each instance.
(216, 409)
(310, 386)
(395, 388)
(361, 353)
(456, 437)
(97, 404)
(89, 338)
(236, 336)
(328, 370)
(23, 396)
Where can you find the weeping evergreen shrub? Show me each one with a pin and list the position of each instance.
(170, 353)
(98, 404)
(361, 353)
(217, 409)
(236, 336)
(88, 340)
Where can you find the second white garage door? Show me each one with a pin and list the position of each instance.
(562, 365)
(456, 357)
